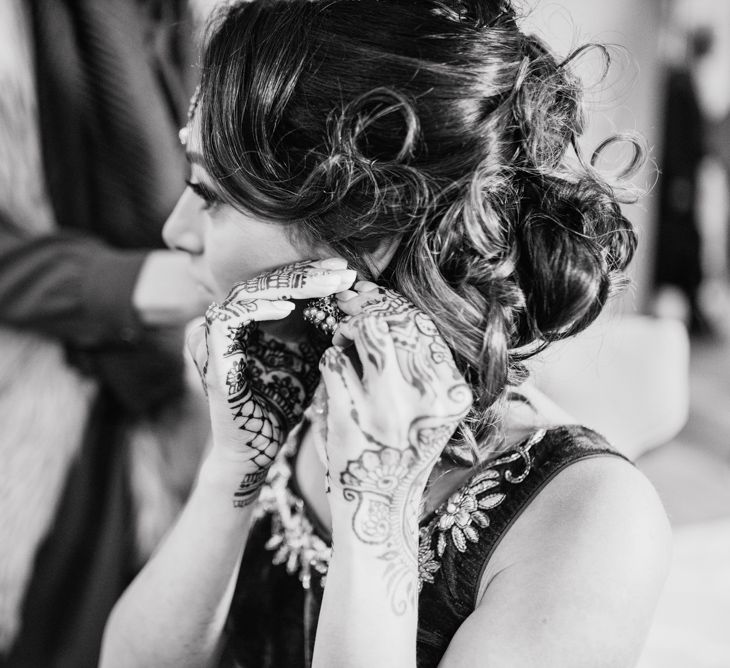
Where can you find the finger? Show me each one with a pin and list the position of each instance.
(346, 295)
(250, 310)
(365, 286)
(341, 382)
(339, 339)
(389, 303)
(353, 302)
(198, 349)
(294, 282)
(330, 263)
(374, 346)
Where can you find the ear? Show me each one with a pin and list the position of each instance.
(380, 258)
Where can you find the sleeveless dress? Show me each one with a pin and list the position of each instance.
(273, 618)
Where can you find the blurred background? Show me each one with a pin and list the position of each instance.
(653, 374)
(660, 361)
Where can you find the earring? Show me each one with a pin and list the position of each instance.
(323, 314)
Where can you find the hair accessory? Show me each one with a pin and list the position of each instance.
(193, 103)
(323, 314)
(184, 133)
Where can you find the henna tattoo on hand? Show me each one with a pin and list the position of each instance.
(247, 491)
(229, 309)
(415, 336)
(269, 383)
(386, 485)
(289, 278)
(238, 337)
(386, 481)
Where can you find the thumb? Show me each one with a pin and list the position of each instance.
(197, 347)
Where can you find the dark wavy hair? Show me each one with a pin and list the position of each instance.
(437, 121)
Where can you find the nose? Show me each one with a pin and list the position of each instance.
(183, 228)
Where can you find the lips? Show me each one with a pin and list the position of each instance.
(204, 288)
(201, 282)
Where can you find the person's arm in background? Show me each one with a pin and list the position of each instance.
(82, 291)
(104, 158)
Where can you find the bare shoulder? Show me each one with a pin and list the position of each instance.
(601, 500)
(575, 580)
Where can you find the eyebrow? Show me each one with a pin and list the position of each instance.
(193, 157)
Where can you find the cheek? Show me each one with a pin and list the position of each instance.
(240, 252)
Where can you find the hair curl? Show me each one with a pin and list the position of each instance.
(437, 121)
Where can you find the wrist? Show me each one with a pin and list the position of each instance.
(238, 484)
(378, 577)
(359, 537)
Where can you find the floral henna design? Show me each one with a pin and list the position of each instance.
(284, 375)
(268, 384)
(269, 389)
(371, 481)
(386, 484)
(415, 336)
(386, 481)
(238, 337)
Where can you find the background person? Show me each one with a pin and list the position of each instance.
(91, 308)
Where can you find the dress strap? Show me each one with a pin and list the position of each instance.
(458, 542)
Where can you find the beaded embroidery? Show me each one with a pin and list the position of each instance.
(293, 538)
(453, 522)
(297, 546)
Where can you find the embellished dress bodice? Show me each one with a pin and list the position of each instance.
(276, 604)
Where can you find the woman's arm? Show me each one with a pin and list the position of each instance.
(384, 431)
(575, 581)
(360, 623)
(173, 613)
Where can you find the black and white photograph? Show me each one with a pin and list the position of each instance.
(364, 334)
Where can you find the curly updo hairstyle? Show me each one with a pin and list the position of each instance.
(437, 121)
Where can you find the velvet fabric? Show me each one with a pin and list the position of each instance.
(273, 620)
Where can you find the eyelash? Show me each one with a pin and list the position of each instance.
(209, 198)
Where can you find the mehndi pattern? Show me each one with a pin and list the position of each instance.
(454, 525)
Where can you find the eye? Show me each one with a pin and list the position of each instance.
(210, 199)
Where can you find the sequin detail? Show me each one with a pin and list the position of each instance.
(428, 564)
(458, 520)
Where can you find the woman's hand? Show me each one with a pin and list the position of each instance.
(390, 410)
(254, 400)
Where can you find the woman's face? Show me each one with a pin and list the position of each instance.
(225, 245)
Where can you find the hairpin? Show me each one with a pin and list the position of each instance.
(184, 133)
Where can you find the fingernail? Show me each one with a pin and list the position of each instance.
(325, 279)
(346, 295)
(283, 306)
(365, 286)
(347, 278)
(334, 263)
